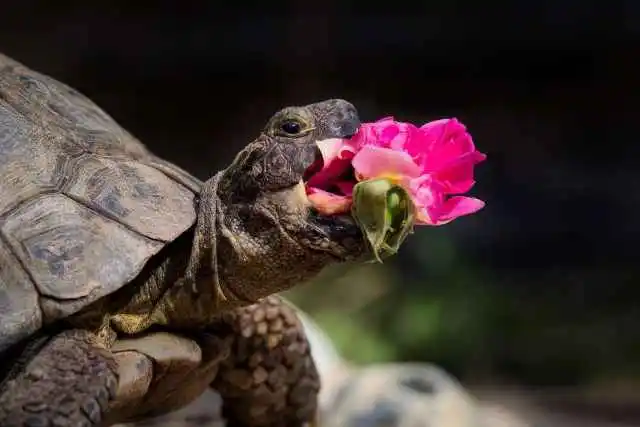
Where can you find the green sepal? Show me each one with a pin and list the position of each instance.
(385, 213)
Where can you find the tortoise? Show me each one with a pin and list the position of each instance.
(129, 286)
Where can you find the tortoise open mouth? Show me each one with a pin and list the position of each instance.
(329, 186)
(315, 168)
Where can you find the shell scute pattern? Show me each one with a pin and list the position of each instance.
(135, 194)
(20, 314)
(82, 209)
(54, 104)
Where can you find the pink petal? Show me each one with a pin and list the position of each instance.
(428, 136)
(329, 149)
(373, 162)
(333, 166)
(456, 207)
(366, 135)
(384, 120)
(375, 133)
(347, 151)
(404, 135)
(336, 155)
(346, 187)
(423, 192)
(458, 177)
(447, 140)
(437, 129)
(387, 134)
(327, 203)
(442, 130)
(427, 200)
(332, 171)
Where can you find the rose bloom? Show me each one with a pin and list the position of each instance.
(434, 163)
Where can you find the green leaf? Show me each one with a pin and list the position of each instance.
(385, 213)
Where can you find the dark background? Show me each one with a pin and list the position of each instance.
(538, 289)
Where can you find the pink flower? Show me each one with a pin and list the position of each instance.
(434, 162)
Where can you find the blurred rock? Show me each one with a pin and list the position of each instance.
(397, 395)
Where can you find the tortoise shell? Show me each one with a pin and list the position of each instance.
(83, 203)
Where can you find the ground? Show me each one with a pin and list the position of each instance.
(500, 410)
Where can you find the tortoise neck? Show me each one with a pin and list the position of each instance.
(199, 295)
(180, 285)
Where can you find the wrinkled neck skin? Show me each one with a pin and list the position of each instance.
(243, 250)
(263, 244)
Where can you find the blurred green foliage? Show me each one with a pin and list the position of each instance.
(430, 303)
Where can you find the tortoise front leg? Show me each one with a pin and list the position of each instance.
(69, 380)
(257, 358)
(162, 372)
(270, 378)
(65, 380)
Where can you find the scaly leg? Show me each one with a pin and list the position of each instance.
(71, 380)
(65, 380)
(270, 379)
(161, 372)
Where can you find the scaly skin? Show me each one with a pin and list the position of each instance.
(256, 358)
(256, 234)
(52, 388)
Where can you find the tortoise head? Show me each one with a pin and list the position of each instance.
(287, 147)
(265, 206)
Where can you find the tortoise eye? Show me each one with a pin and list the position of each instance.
(291, 127)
